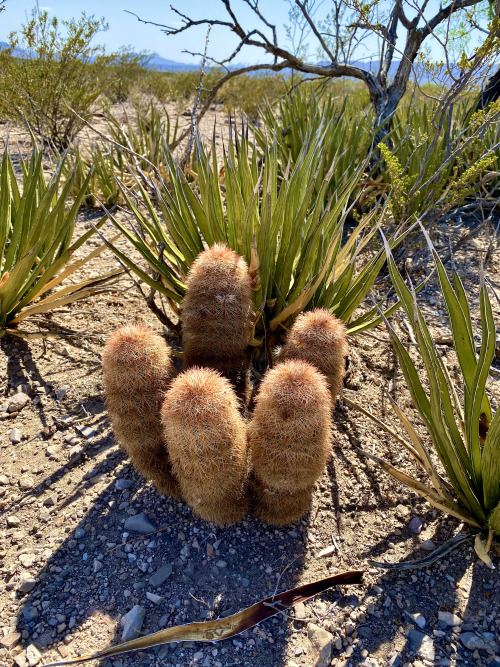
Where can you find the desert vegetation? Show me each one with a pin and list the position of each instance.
(249, 242)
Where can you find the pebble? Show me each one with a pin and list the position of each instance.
(26, 482)
(300, 611)
(13, 521)
(51, 500)
(15, 436)
(18, 402)
(33, 655)
(122, 484)
(140, 523)
(79, 533)
(26, 584)
(428, 545)
(415, 525)
(62, 391)
(420, 644)
(321, 641)
(449, 619)
(418, 619)
(4, 480)
(471, 641)
(132, 623)
(161, 575)
(29, 613)
(155, 599)
(11, 640)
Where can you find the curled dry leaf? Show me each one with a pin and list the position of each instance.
(224, 628)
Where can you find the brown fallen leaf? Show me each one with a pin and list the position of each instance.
(224, 628)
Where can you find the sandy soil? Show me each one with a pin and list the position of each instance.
(71, 570)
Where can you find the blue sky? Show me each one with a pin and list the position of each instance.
(124, 29)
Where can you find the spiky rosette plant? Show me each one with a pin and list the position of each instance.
(206, 440)
(137, 372)
(319, 338)
(217, 313)
(290, 434)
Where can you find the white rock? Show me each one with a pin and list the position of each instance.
(18, 402)
(321, 641)
(33, 655)
(132, 623)
(15, 436)
(449, 619)
(155, 599)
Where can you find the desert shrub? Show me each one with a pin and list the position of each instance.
(124, 72)
(465, 434)
(58, 69)
(36, 246)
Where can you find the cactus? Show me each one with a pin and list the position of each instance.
(290, 436)
(137, 372)
(320, 339)
(207, 443)
(280, 507)
(217, 314)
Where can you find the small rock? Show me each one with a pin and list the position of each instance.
(428, 545)
(11, 640)
(13, 521)
(21, 660)
(87, 431)
(140, 523)
(29, 613)
(418, 619)
(449, 619)
(51, 500)
(221, 564)
(420, 644)
(26, 482)
(4, 480)
(471, 641)
(300, 611)
(62, 391)
(26, 584)
(155, 599)
(161, 575)
(402, 511)
(79, 533)
(321, 641)
(97, 565)
(33, 655)
(122, 484)
(132, 623)
(415, 525)
(365, 631)
(18, 402)
(15, 436)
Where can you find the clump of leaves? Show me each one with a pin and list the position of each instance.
(465, 435)
(291, 236)
(36, 246)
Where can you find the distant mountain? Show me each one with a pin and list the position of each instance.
(164, 65)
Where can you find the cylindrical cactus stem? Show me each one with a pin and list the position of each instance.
(290, 433)
(319, 338)
(280, 507)
(207, 443)
(217, 313)
(137, 372)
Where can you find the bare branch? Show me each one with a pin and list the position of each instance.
(315, 30)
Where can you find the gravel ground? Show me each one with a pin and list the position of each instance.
(75, 560)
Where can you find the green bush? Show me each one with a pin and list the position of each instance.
(36, 246)
(61, 70)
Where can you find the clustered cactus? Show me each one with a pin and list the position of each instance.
(187, 433)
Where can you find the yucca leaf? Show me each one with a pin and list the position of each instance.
(490, 464)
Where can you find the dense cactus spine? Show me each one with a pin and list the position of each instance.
(281, 507)
(290, 433)
(319, 338)
(137, 372)
(217, 314)
(207, 443)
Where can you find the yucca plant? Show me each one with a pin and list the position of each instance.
(344, 130)
(36, 247)
(465, 436)
(292, 240)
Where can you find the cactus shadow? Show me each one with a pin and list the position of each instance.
(98, 572)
